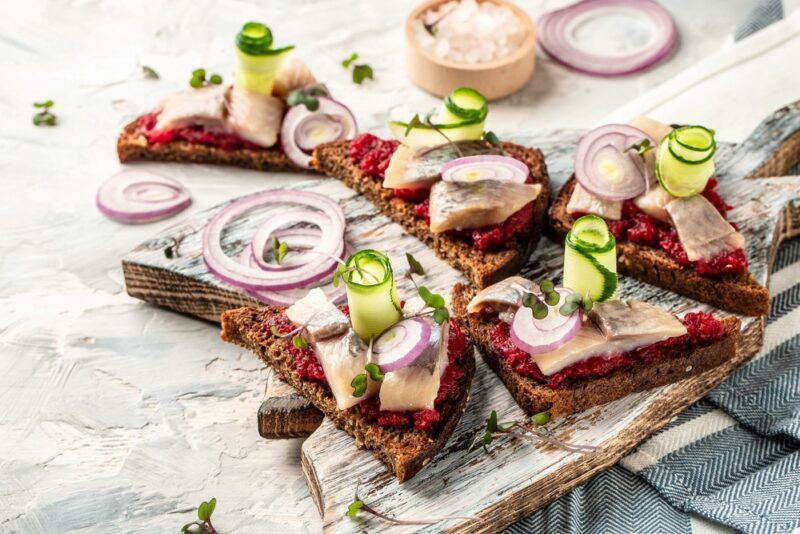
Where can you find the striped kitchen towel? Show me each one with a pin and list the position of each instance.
(731, 461)
(762, 14)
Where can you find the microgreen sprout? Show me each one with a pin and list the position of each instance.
(343, 269)
(359, 506)
(149, 73)
(203, 525)
(359, 384)
(44, 117)
(362, 72)
(279, 249)
(307, 96)
(492, 139)
(347, 62)
(642, 147)
(414, 266)
(433, 301)
(198, 79)
(532, 429)
(299, 342)
(371, 370)
(540, 303)
(416, 122)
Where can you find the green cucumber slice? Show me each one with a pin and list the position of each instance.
(679, 178)
(425, 136)
(590, 259)
(371, 294)
(463, 104)
(256, 60)
(692, 144)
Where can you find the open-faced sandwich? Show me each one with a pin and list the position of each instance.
(270, 118)
(393, 375)
(566, 349)
(478, 202)
(654, 185)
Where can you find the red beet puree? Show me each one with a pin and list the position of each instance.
(191, 134)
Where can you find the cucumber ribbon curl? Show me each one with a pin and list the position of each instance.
(590, 259)
(371, 293)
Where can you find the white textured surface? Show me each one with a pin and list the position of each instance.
(117, 416)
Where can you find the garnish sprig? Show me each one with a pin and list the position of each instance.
(533, 429)
(433, 301)
(541, 307)
(416, 122)
(641, 148)
(371, 370)
(492, 139)
(360, 72)
(279, 249)
(44, 117)
(203, 525)
(198, 79)
(358, 506)
(307, 96)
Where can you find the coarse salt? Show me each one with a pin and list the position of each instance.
(467, 31)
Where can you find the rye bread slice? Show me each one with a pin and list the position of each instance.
(738, 294)
(132, 145)
(577, 395)
(404, 451)
(482, 268)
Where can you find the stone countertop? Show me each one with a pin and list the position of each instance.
(119, 416)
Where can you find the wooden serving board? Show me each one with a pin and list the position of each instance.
(515, 478)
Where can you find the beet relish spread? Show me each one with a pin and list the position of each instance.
(702, 329)
(642, 229)
(373, 154)
(191, 134)
(308, 367)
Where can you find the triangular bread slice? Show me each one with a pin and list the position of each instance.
(577, 395)
(132, 145)
(740, 294)
(482, 268)
(404, 450)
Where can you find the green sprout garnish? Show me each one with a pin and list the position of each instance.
(44, 117)
(524, 430)
(347, 62)
(149, 73)
(198, 79)
(358, 505)
(203, 526)
(541, 418)
(279, 249)
(642, 147)
(299, 342)
(374, 372)
(416, 122)
(414, 267)
(307, 96)
(361, 73)
(359, 384)
(274, 331)
(431, 300)
(493, 140)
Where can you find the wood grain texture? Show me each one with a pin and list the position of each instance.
(515, 478)
(284, 413)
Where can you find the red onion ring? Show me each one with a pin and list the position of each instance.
(611, 139)
(537, 336)
(287, 297)
(401, 344)
(247, 277)
(263, 236)
(295, 117)
(138, 196)
(557, 36)
(487, 167)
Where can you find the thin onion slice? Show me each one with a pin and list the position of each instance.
(537, 336)
(303, 130)
(562, 35)
(401, 344)
(137, 196)
(247, 277)
(606, 168)
(295, 237)
(485, 167)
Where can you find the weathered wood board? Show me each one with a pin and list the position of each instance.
(515, 478)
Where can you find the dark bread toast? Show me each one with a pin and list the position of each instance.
(576, 395)
(740, 294)
(132, 145)
(404, 451)
(482, 268)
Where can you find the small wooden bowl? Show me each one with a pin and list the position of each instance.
(494, 79)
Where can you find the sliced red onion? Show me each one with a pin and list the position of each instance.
(606, 168)
(401, 344)
(138, 196)
(485, 167)
(563, 36)
(263, 238)
(247, 277)
(303, 130)
(537, 336)
(287, 297)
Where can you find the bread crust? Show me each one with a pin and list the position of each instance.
(404, 451)
(738, 294)
(132, 145)
(577, 395)
(482, 268)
